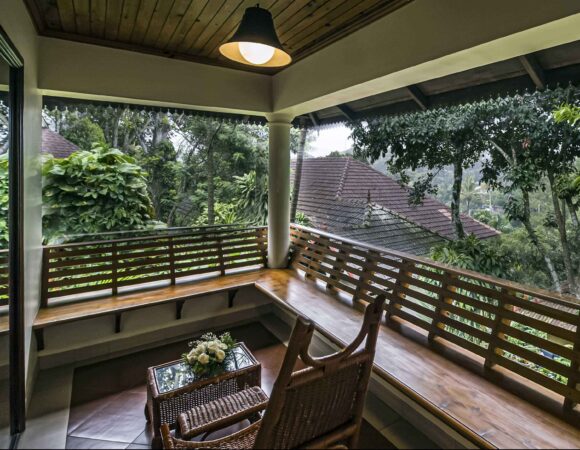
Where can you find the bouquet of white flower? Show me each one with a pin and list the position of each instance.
(209, 352)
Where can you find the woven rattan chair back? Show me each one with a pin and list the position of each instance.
(321, 405)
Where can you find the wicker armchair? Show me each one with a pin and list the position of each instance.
(318, 407)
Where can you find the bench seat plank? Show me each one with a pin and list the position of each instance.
(87, 309)
(4, 326)
(485, 412)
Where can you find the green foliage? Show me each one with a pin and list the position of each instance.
(567, 113)
(302, 219)
(225, 214)
(473, 254)
(92, 192)
(495, 220)
(4, 201)
(431, 139)
(252, 194)
(83, 132)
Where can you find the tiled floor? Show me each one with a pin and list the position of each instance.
(108, 398)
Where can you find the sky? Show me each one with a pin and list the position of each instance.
(328, 140)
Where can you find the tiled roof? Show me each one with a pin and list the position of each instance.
(56, 145)
(348, 179)
(367, 222)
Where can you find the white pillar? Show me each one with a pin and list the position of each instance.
(279, 191)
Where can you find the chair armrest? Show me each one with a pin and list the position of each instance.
(222, 412)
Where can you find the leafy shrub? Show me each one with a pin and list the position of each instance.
(473, 254)
(93, 192)
(3, 201)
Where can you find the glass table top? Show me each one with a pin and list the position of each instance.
(178, 374)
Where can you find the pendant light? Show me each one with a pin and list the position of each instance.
(255, 42)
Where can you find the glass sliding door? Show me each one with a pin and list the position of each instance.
(4, 320)
(12, 368)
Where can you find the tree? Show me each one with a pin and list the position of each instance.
(4, 197)
(432, 139)
(83, 132)
(4, 125)
(298, 174)
(93, 192)
(528, 151)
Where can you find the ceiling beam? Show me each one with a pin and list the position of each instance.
(418, 97)
(534, 70)
(347, 112)
(314, 119)
(508, 86)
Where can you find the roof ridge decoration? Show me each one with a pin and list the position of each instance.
(343, 178)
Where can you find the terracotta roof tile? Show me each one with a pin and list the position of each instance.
(350, 179)
(54, 144)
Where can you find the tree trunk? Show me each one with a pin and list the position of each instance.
(115, 137)
(536, 242)
(573, 212)
(298, 175)
(210, 187)
(210, 175)
(561, 221)
(456, 199)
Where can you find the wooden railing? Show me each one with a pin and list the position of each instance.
(3, 277)
(532, 333)
(110, 265)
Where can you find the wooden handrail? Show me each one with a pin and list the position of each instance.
(90, 268)
(504, 323)
(554, 297)
(202, 231)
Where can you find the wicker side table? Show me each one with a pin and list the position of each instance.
(173, 388)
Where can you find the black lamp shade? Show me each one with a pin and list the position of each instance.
(256, 27)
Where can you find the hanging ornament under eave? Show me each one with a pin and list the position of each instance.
(255, 42)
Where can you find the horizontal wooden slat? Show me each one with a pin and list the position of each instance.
(141, 260)
(467, 307)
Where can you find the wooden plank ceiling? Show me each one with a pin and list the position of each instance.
(194, 29)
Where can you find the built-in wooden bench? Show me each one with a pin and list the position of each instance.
(91, 279)
(483, 411)
(444, 343)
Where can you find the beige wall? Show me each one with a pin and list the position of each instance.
(422, 41)
(91, 70)
(17, 24)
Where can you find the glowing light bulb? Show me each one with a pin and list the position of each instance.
(256, 53)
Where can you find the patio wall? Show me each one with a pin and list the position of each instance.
(84, 341)
(17, 24)
(120, 75)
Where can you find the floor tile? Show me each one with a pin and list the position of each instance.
(108, 398)
(118, 427)
(81, 443)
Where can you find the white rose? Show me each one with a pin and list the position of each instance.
(201, 348)
(223, 346)
(203, 358)
(191, 356)
(213, 346)
(220, 355)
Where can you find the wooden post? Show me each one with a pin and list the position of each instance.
(44, 278)
(114, 269)
(440, 308)
(338, 266)
(367, 266)
(262, 245)
(172, 260)
(397, 292)
(574, 381)
(496, 337)
(221, 262)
